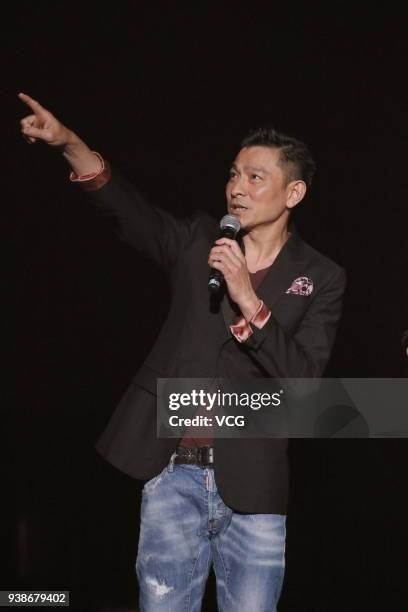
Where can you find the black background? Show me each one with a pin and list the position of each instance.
(166, 91)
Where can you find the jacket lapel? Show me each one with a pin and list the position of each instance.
(288, 265)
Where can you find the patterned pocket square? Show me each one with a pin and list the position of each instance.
(301, 286)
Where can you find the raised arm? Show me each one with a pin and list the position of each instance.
(155, 232)
(42, 125)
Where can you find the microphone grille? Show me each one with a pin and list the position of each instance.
(230, 221)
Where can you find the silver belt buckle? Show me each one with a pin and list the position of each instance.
(205, 455)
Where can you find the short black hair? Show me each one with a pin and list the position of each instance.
(295, 157)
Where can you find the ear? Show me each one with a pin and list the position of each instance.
(295, 192)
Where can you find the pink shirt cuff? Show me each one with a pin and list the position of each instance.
(94, 180)
(242, 329)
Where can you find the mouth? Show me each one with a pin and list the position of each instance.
(237, 207)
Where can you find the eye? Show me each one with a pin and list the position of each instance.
(232, 174)
(256, 177)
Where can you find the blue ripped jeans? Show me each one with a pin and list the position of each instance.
(186, 528)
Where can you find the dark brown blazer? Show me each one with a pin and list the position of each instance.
(195, 342)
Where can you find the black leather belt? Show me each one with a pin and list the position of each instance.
(201, 455)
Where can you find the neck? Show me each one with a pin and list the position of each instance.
(262, 245)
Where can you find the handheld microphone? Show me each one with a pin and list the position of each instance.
(229, 226)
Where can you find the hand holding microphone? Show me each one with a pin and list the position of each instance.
(229, 228)
(229, 264)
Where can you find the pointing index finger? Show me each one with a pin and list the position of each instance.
(33, 104)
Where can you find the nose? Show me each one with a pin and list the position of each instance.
(238, 187)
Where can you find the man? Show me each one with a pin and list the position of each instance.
(223, 503)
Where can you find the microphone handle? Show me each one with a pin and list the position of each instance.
(216, 278)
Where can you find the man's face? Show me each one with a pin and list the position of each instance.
(256, 191)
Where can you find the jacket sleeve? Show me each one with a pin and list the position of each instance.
(304, 354)
(152, 231)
